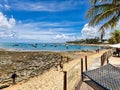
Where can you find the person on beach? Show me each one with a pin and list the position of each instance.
(61, 66)
(98, 50)
(14, 75)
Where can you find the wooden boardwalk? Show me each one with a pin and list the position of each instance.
(90, 85)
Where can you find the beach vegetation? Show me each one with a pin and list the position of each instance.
(92, 41)
(86, 41)
(105, 13)
(115, 37)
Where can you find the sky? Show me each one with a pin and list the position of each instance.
(45, 21)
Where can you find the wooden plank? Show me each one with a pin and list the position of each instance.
(85, 86)
(90, 85)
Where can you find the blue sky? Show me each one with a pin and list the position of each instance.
(45, 20)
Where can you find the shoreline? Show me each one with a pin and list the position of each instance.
(55, 51)
(101, 45)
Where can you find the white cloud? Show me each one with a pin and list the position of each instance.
(4, 6)
(89, 32)
(7, 7)
(62, 36)
(46, 6)
(12, 21)
(50, 24)
(6, 23)
(5, 26)
(47, 26)
(45, 31)
(92, 32)
(41, 31)
(65, 37)
(7, 34)
(43, 35)
(1, 6)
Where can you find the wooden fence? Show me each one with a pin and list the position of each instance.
(104, 58)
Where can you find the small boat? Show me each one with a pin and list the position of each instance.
(15, 45)
(66, 46)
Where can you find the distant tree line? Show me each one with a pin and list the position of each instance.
(95, 40)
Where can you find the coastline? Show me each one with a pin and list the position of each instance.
(101, 45)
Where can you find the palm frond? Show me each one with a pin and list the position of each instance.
(101, 17)
(92, 12)
(93, 2)
(116, 1)
(110, 24)
(104, 16)
(98, 9)
(107, 11)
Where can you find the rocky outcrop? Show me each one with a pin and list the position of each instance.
(26, 64)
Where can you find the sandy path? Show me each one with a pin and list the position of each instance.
(115, 61)
(52, 79)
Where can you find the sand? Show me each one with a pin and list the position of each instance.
(52, 79)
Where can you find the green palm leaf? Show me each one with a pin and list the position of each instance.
(104, 12)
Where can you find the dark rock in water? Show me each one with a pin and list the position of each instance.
(15, 45)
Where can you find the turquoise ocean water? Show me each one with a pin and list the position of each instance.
(46, 46)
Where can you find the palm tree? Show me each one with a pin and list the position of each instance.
(104, 12)
(115, 37)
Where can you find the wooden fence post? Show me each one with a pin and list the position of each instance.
(67, 59)
(61, 58)
(101, 60)
(86, 63)
(65, 81)
(82, 69)
(107, 60)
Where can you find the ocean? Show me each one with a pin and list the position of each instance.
(46, 46)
